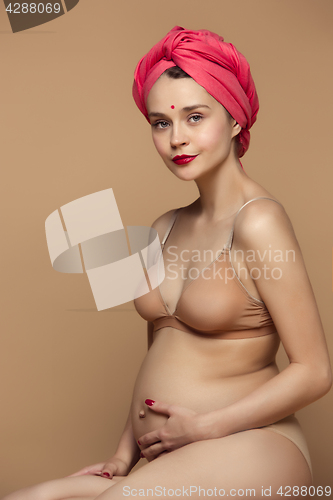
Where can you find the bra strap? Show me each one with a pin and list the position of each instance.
(170, 226)
(230, 239)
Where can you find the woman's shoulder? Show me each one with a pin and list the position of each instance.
(259, 205)
(260, 216)
(161, 224)
(258, 202)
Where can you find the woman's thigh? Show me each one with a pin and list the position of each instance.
(254, 463)
(85, 487)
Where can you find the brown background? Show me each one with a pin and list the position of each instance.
(70, 128)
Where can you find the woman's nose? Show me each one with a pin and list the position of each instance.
(178, 137)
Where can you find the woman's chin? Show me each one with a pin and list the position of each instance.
(185, 173)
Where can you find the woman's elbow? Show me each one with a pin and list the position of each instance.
(324, 382)
(318, 381)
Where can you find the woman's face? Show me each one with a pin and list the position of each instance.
(205, 131)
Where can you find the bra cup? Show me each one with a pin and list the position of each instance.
(213, 302)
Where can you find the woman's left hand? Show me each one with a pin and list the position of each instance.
(181, 428)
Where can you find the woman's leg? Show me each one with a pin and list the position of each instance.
(78, 487)
(246, 464)
(255, 460)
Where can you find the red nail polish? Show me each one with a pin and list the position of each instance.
(139, 443)
(106, 474)
(149, 402)
(142, 455)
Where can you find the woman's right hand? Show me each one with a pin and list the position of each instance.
(113, 467)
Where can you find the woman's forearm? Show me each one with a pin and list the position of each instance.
(128, 449)
(289, 391)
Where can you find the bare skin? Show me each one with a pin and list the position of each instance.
(212, 395)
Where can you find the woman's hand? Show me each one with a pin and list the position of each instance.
(181, 428)
(113, 467)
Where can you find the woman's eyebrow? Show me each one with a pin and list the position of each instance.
(187, 108)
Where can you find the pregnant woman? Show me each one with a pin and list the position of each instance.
(211, 414)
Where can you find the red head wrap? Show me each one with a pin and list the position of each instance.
(214, 64)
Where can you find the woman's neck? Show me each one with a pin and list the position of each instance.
(221, 191)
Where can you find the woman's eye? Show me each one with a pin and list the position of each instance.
(196, 116)
(156, 125)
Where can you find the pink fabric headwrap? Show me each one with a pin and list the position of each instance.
(214, 64)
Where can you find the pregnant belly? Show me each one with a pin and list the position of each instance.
(198, 373)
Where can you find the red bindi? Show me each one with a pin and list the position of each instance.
(172, 107)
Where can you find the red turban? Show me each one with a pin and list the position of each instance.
(214, 64)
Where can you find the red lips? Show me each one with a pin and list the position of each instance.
(182, 159)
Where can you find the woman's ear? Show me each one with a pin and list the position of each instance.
(236, 128)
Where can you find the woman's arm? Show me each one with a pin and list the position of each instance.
(150, 329)
(127, 449)
(289, 298)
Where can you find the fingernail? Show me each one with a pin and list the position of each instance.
(149, 402)
(106, 474)
(142, 455)
(139, 443)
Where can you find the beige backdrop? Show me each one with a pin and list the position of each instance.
(69, 127)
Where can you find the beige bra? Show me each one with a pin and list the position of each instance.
(211, 306)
